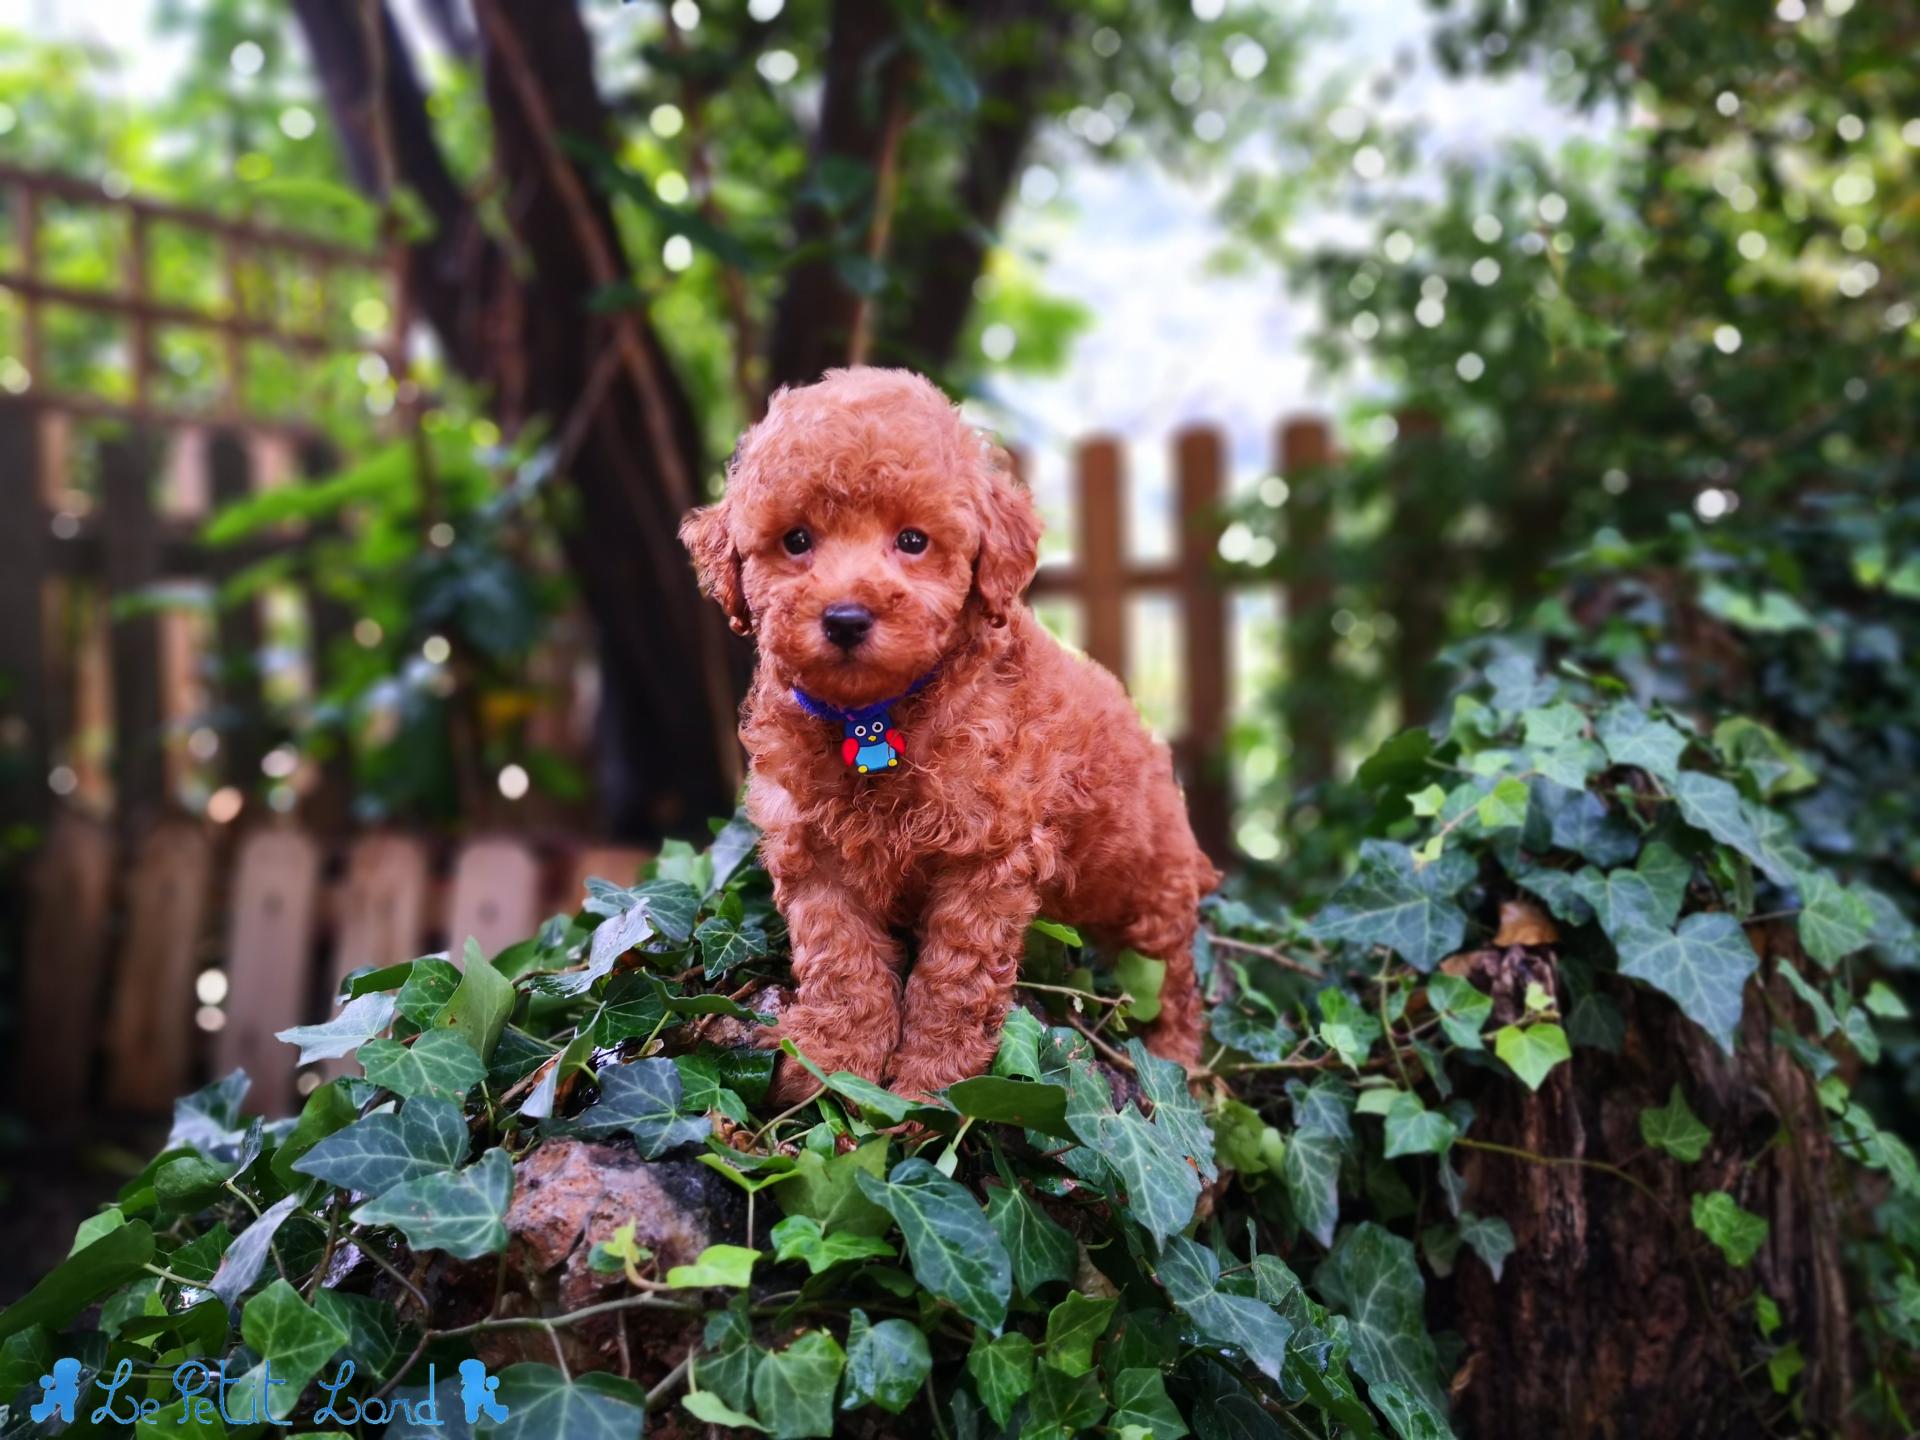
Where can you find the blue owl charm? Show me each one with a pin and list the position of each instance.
(872, 745)
(869, 743)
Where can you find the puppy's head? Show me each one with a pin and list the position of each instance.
(865, 528)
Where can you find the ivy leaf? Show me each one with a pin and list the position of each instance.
(1834, 922)
(1552, 726)
(1490, 1237)
(726, 945)
(374, 1335)
(1019, 1051)
(430, 983)
(1348, 1028)
(1310, 1170)
(1025, 1103)
(793, 1388)
(1462, 1007)
(954, 1251)
(1373, 1277)
(481, 1002)
(438, 1062)
(706, 1406)
(642, 1099)
(327, 1110)
(1675, 1129)
(247, 1257)
(1518, 686)
(208, 1120)
(1650, 894)
(1413, 1129)
(374, 1154)
(1504, 807)
(799, 1237)
(1739, 1233)
(673, 906)
(1176, 1114)
(291, 1337)
(1391, 901)
(717, 1265)
(462, 1212)
(106, 1264)
(541, 1403)
(1712, 805)
(1703, 965)
(886, 1363)
(1040, 1249)
(826, 1189)
(1140, 1402)
(1580, 822)
(1002, 1371)
(1251, 1035)
(1162, 1186)
(1074, 1327)
(1142, 978)
(1323, 1108)
(728, 1355)
(358, 1021)
(1191, 1275)
(1632, 737)
(1062, 1405)
(735, 843)
(1533, 1052)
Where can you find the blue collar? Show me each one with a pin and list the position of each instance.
(864, 714)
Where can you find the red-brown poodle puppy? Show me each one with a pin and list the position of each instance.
(925, 757)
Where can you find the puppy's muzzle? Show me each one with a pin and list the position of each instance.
(846, 624)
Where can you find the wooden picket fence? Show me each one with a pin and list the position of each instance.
(118, 953)
(135, 902)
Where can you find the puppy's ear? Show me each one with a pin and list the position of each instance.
(717, 564)
(1009, 541)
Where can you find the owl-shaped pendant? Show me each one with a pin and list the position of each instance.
(873, 746)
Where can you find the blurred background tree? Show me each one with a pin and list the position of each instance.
(1689, 347)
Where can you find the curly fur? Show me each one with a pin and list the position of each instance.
(1029, 784)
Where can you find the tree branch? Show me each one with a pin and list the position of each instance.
(818, 313)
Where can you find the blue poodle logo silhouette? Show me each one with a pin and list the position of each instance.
(62, 1392)
(478, 1392)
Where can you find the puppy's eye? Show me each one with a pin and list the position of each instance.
(911, 541)
(797, 541)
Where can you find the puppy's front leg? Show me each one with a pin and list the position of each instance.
(972, 936)
(845, 1013)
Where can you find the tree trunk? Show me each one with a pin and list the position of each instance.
(1615, 1316)
(527, 332)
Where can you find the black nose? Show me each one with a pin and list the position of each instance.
(846, 624)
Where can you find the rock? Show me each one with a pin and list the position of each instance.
(568, 1195)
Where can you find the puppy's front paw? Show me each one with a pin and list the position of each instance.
(792, 1082)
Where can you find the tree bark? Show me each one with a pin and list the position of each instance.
(514, 315)
(666, 759)
(1615, 1316)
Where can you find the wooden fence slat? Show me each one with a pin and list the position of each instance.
(381, 913)
(65, 955)
(1200, 467)
(133, 564)
(269, 953)
(230, 471)
(150, 1034)
(1103, 550)
(496, 896)
(25, 716)
(1305, 448)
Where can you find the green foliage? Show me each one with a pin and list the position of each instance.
(1030, 1245)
